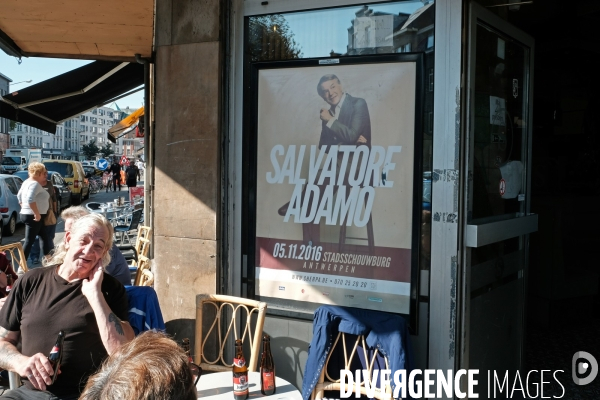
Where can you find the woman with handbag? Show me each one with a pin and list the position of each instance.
(35, 203)
(49, 223)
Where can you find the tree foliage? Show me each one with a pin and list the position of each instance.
(106, 151)
(272, 39)
(90, 150)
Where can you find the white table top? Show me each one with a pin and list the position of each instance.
(219, 386)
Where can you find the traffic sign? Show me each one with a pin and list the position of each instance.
(102, 164)
(124, 161)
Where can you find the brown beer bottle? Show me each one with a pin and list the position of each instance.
(240, 373)
(9, 283)
(267, 369)
(185, 345)
(56, 354)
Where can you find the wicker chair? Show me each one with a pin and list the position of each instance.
(350, 351)
(146, 277)
(144, 265)
(17, 257)
(239, 313)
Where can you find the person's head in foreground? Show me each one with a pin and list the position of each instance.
(72, 214)
(151, 366)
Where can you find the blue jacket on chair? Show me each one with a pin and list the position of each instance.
(384, 331)
(144, 310)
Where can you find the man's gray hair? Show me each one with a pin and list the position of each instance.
(74, 213)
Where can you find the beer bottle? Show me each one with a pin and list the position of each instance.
(185, 344)
(240, 373)
(55, 356)
(9, 283)
(267, 369)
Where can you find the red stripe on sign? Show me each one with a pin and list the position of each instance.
(383, 263)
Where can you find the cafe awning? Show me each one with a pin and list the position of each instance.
(85, 29)
(122, 127)
(55, 100)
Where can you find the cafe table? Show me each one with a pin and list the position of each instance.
(219, 386)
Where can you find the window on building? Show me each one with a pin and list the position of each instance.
(430, 41)
(19, 140)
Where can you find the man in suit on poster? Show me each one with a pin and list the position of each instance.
(345, 122)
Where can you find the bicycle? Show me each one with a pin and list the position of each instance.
(95, 184)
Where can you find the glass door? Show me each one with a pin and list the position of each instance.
(496, 190)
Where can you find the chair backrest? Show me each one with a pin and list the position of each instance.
(136, 217)
(17, 257)
(144, 231)
(93, 206)
(143, 265)
(241, 311)
(352, 349)
(146, 277)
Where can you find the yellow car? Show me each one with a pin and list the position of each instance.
(74, 175)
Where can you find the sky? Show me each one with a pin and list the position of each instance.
(38, 69)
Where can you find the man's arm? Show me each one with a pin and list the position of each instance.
(113, 331)
(359, 124)
(36, 368)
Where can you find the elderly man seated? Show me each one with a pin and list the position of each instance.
(118, 266)
(74, 295)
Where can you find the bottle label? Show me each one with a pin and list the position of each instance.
(55, 350)
(240, 384)
(268, 379)
(239, 362)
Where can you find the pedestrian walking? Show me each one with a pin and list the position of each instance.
(49, 225)
(140, 165)
(132, 174)
(115, 169)
(35, 203)
(107, 179)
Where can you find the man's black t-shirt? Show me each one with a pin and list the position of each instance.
(42, 303)
(132, 172)
(115, 169)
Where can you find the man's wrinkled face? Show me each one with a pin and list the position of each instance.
(331, 91)
(86, 248)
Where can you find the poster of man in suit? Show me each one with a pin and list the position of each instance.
(334, 190)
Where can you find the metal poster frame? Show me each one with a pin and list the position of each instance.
(303, 309)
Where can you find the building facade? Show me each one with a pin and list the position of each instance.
(75, 132)
(4, 123)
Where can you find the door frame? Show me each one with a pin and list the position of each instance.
(525, 225)
(445, 274)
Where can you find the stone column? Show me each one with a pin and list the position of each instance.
(187, 142)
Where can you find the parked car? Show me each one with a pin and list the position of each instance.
(9, 205)
(72, 172)
(61, 188)
(91, 171)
